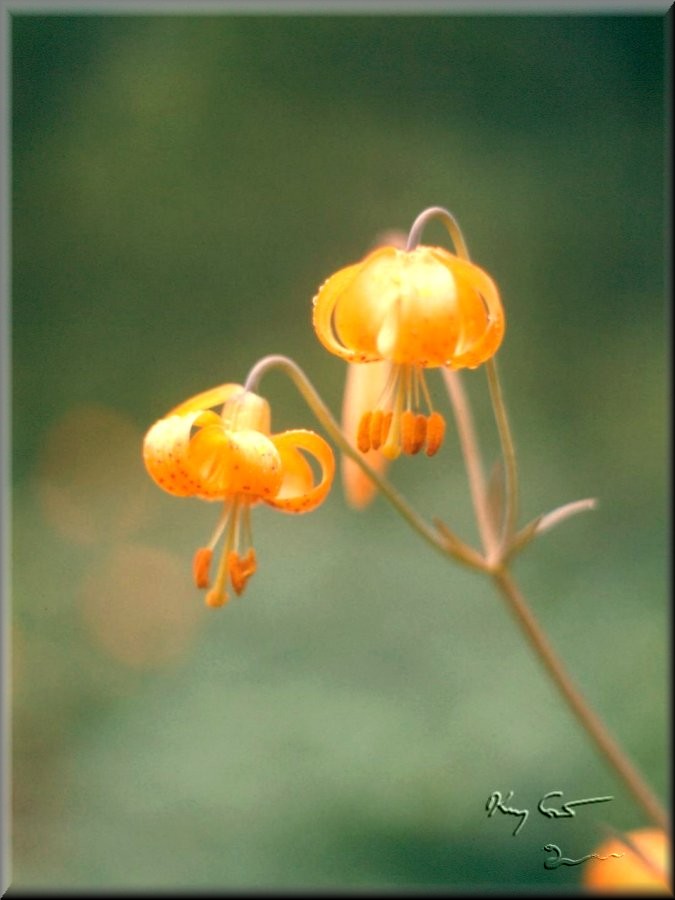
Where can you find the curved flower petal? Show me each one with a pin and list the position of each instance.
(331, 292)
(298, 493)
(216, 396)
(481, 314)
(423, 307)
(212, 464)
(422, 322)
(225, 463)
(165, 452)
(246, 410)
(375, 293)
(446, 312)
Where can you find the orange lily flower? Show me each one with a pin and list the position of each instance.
(643, 864)
(416, 309)
(231, 456)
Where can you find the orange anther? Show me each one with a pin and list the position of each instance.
(240, 568)
(200, 566)
(435, 433)
(363, 433)
(408, 431)
(420, 433)
(375, 430)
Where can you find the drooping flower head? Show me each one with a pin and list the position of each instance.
(418, 308)
(231, 456)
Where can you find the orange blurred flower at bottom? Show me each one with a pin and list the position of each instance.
(646, 871)
(231, 456)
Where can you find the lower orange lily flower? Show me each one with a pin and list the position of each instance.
(232, 456)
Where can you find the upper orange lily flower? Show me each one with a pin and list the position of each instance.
(417, 309)
(231, 456)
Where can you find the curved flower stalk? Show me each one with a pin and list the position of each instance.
(232, 457)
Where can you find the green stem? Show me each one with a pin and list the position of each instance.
(591, 722)
(508, 454)
(450, 222)
(472, 460)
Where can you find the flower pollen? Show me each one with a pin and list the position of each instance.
(200, 566)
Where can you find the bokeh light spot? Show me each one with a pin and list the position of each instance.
(139, 606)
(90, 481)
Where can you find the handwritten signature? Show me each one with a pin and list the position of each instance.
(566, 811)
(560, 860)
(496, 802)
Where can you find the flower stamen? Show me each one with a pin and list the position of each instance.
(200, 566)
(241, 568)
(218, 596)
(420, 432)
(363, 438)
(435, 433)
(396, 425)
(408, 432)
(375, 431)
(379, 429)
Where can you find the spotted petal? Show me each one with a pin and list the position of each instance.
(226, 463)
(165, 452)
(298, 492)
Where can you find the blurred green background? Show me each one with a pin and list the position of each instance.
(181, 186)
